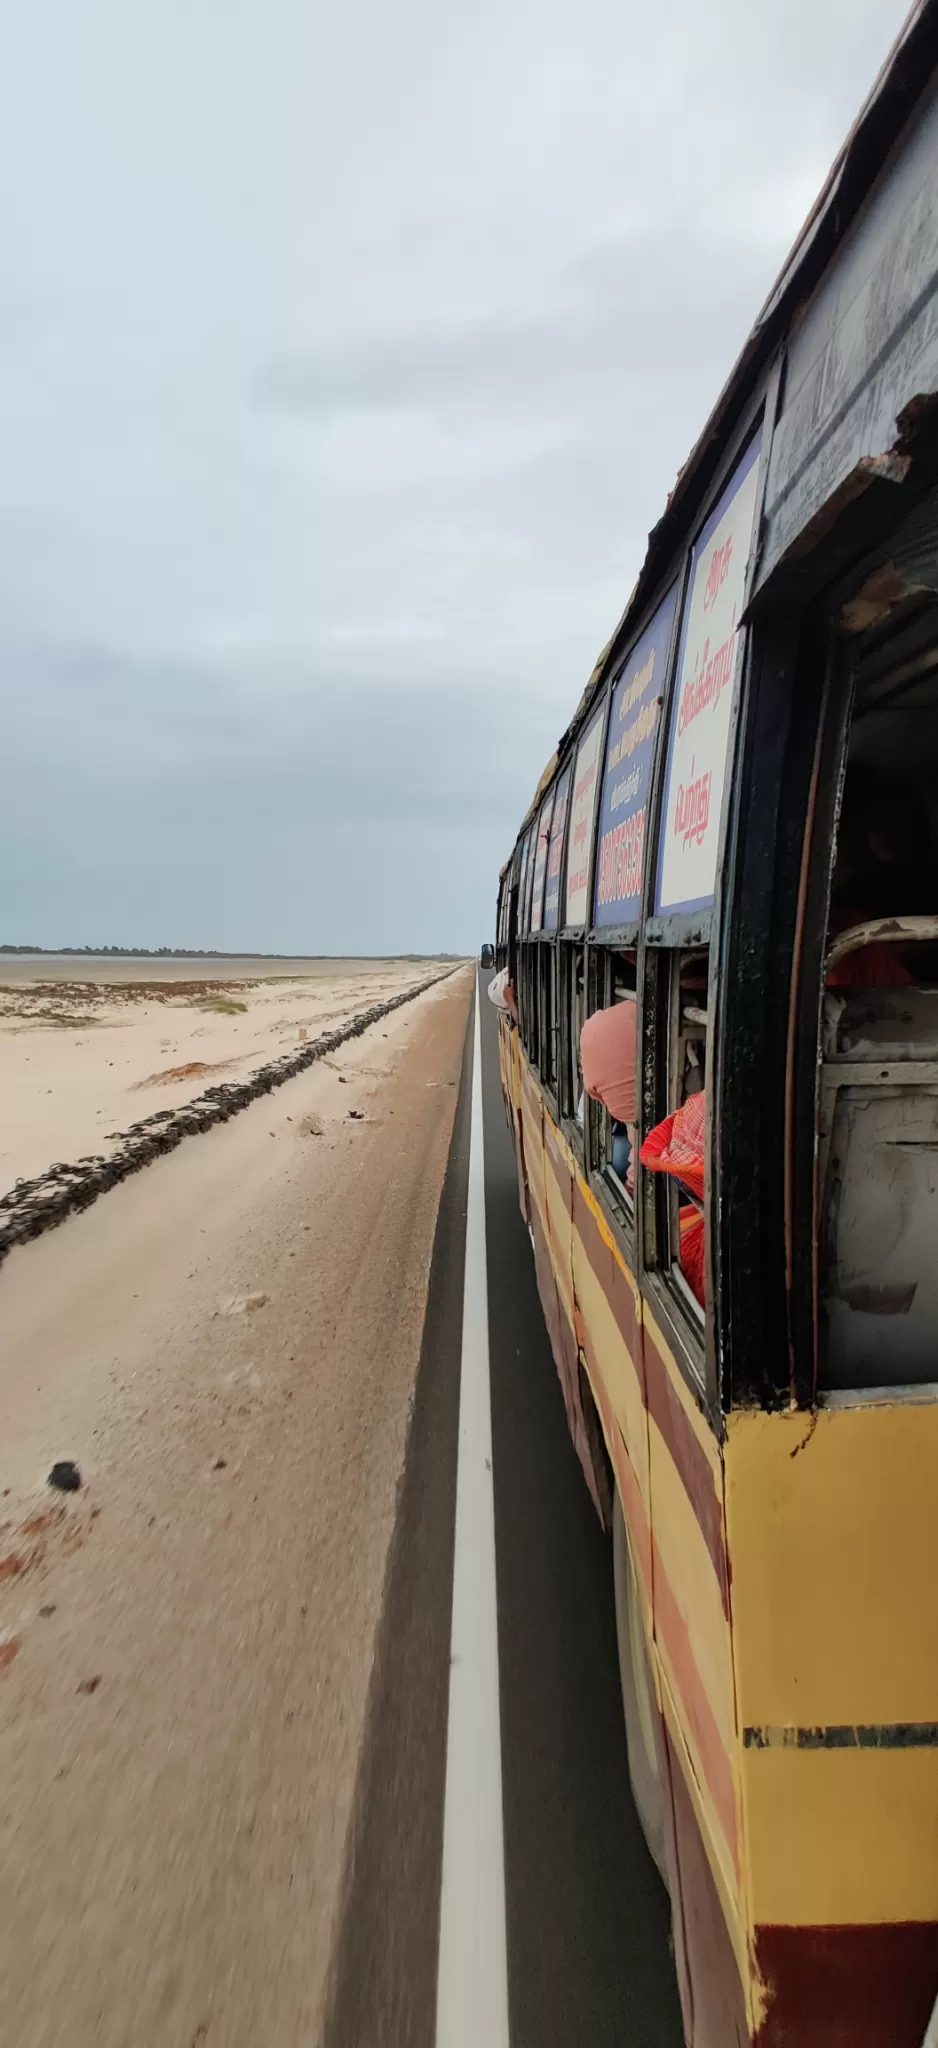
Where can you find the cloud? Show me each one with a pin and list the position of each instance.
(346, 359)
(191, 799)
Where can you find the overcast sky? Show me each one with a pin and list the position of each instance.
(347, 355)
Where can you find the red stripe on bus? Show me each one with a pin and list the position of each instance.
(657, 1389)
(706, 1739)
(871, 1985)
(632, 1503)
(611, 1279)
(673, 1635)
(689, 1457)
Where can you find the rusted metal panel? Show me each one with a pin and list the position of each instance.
(865, 351)
(878, 1167)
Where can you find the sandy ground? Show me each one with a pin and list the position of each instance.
(82, 1058)
(185, 1643)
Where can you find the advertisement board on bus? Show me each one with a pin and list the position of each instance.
(630, 748)
(524, 893)
(702, 698)
(540, 862)
(555, 854)
(582, 813)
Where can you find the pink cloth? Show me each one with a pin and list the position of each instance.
(607, 1058)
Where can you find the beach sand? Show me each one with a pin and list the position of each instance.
(89, 1046)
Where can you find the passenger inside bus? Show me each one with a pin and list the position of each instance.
(607, 1062)
(676, 1146)
(501, 993)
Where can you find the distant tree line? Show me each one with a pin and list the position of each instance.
(205, 953)
(139, 952)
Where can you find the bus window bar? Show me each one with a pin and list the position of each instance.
(879, 929)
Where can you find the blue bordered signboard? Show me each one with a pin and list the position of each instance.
(702, 698)
(540, 862)
(555, 854)
(630, 749)
(582, 814)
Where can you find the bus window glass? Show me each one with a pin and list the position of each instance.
(630, 746)
(555, 854)
(540, 863)
(702, 698)
(582, 817)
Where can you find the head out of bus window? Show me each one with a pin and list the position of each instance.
(607, 1064)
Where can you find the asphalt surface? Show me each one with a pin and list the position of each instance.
(589, 1957)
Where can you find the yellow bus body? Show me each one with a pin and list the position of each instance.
(786, 1574)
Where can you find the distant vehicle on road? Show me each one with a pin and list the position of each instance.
(487, 956)
(734, 1228)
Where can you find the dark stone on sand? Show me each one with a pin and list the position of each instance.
(64, 1476)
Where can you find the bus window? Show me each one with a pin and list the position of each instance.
(546, 969)
(608, 1062)
(528, 1000)
(679, 1137)
(573, 1012)
(878, 1106)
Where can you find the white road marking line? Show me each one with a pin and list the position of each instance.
(472, 1983)
(931, 2035)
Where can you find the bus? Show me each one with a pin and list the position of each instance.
(734, 853)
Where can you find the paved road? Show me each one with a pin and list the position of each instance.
(223, 1725)
(587, 1921)
(588, 1924)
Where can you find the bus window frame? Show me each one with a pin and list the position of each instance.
(803, 1195)
(594, 990)
(527, 998)
(601, 1178)
(526, 881)
(801, 688)
(512, 933)
(664, 938)
(546, 969)
(566, 767)
(568, 953)
(685, 1326)
(573, 939)
(545, 816)
(579, 933)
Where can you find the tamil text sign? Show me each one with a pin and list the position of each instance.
(702, 699)
(582, 814)
(540, 862)
(524, 893)
(630, 750)
(555, 854)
